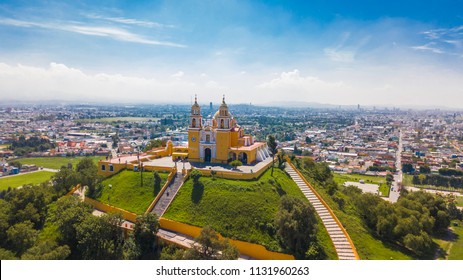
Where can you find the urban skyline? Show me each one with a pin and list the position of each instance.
(400, 54)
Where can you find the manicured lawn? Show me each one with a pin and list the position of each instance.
(127, 193)
(456, 251)
(23, 179)
(56, 162)
(381, 181)
(368, 247)
(451, 243)
(243, 210)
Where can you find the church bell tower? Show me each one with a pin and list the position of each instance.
(194, 129)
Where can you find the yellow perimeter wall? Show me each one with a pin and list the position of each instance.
(236, 175)
(129, 216)
(253, 250)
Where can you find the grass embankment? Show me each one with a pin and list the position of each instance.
(451, 242)
(56, 162)
(127, 193)
(24, 179)
(243, 210)
(381, 181)
(367, 245)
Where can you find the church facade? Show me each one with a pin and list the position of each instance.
(221, 139)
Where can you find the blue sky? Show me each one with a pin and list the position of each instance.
(339, 52)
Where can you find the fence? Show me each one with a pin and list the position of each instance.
(253, 250)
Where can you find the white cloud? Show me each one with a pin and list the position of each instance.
(130, 21)
(60, 82)
(102, 31)
(339, 56)
(294, 80)
(178, 75)
(428, 47)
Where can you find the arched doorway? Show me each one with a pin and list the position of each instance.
(243, 157)
(207, 155)
(231, 156)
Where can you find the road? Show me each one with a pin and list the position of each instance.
(394, 193)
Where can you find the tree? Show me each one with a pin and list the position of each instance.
(154, 144)
(281, 159)
(65, 179)
(389, 179)
(425, 169)
(236, 163)
(195, 175)
(407, 168)
(144, 234)
(273, 147)
(21, 237)
(115, 139)
(68, 213)
(296, 225)
(88, 175)
(209, 247)
(157, 181)
(100, 238)
(47, 250)
(7, 255)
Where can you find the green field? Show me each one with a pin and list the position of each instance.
(4, 146)
(127, 193)
(459, 201)
(451, 244)
(23, 179)
(117, 119)
(56, 162)
(381, 181)
(243, 210)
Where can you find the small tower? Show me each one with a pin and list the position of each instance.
(223, 123)
(195, 115)
(194, 129)
(223, 118)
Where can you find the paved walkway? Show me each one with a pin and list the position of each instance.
(185, 241)
(168, 195)
(340, 241)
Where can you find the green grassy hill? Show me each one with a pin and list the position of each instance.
(127, 193)
(243, 210)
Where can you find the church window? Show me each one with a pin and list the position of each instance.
(221, 123)
(193, 123)
(208, 138)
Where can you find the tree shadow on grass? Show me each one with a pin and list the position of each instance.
(197, 193)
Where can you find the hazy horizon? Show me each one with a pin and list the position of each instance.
(340, 53)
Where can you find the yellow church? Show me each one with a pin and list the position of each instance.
(221, 139)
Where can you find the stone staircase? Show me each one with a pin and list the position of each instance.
(343, 247)
(168, 195)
